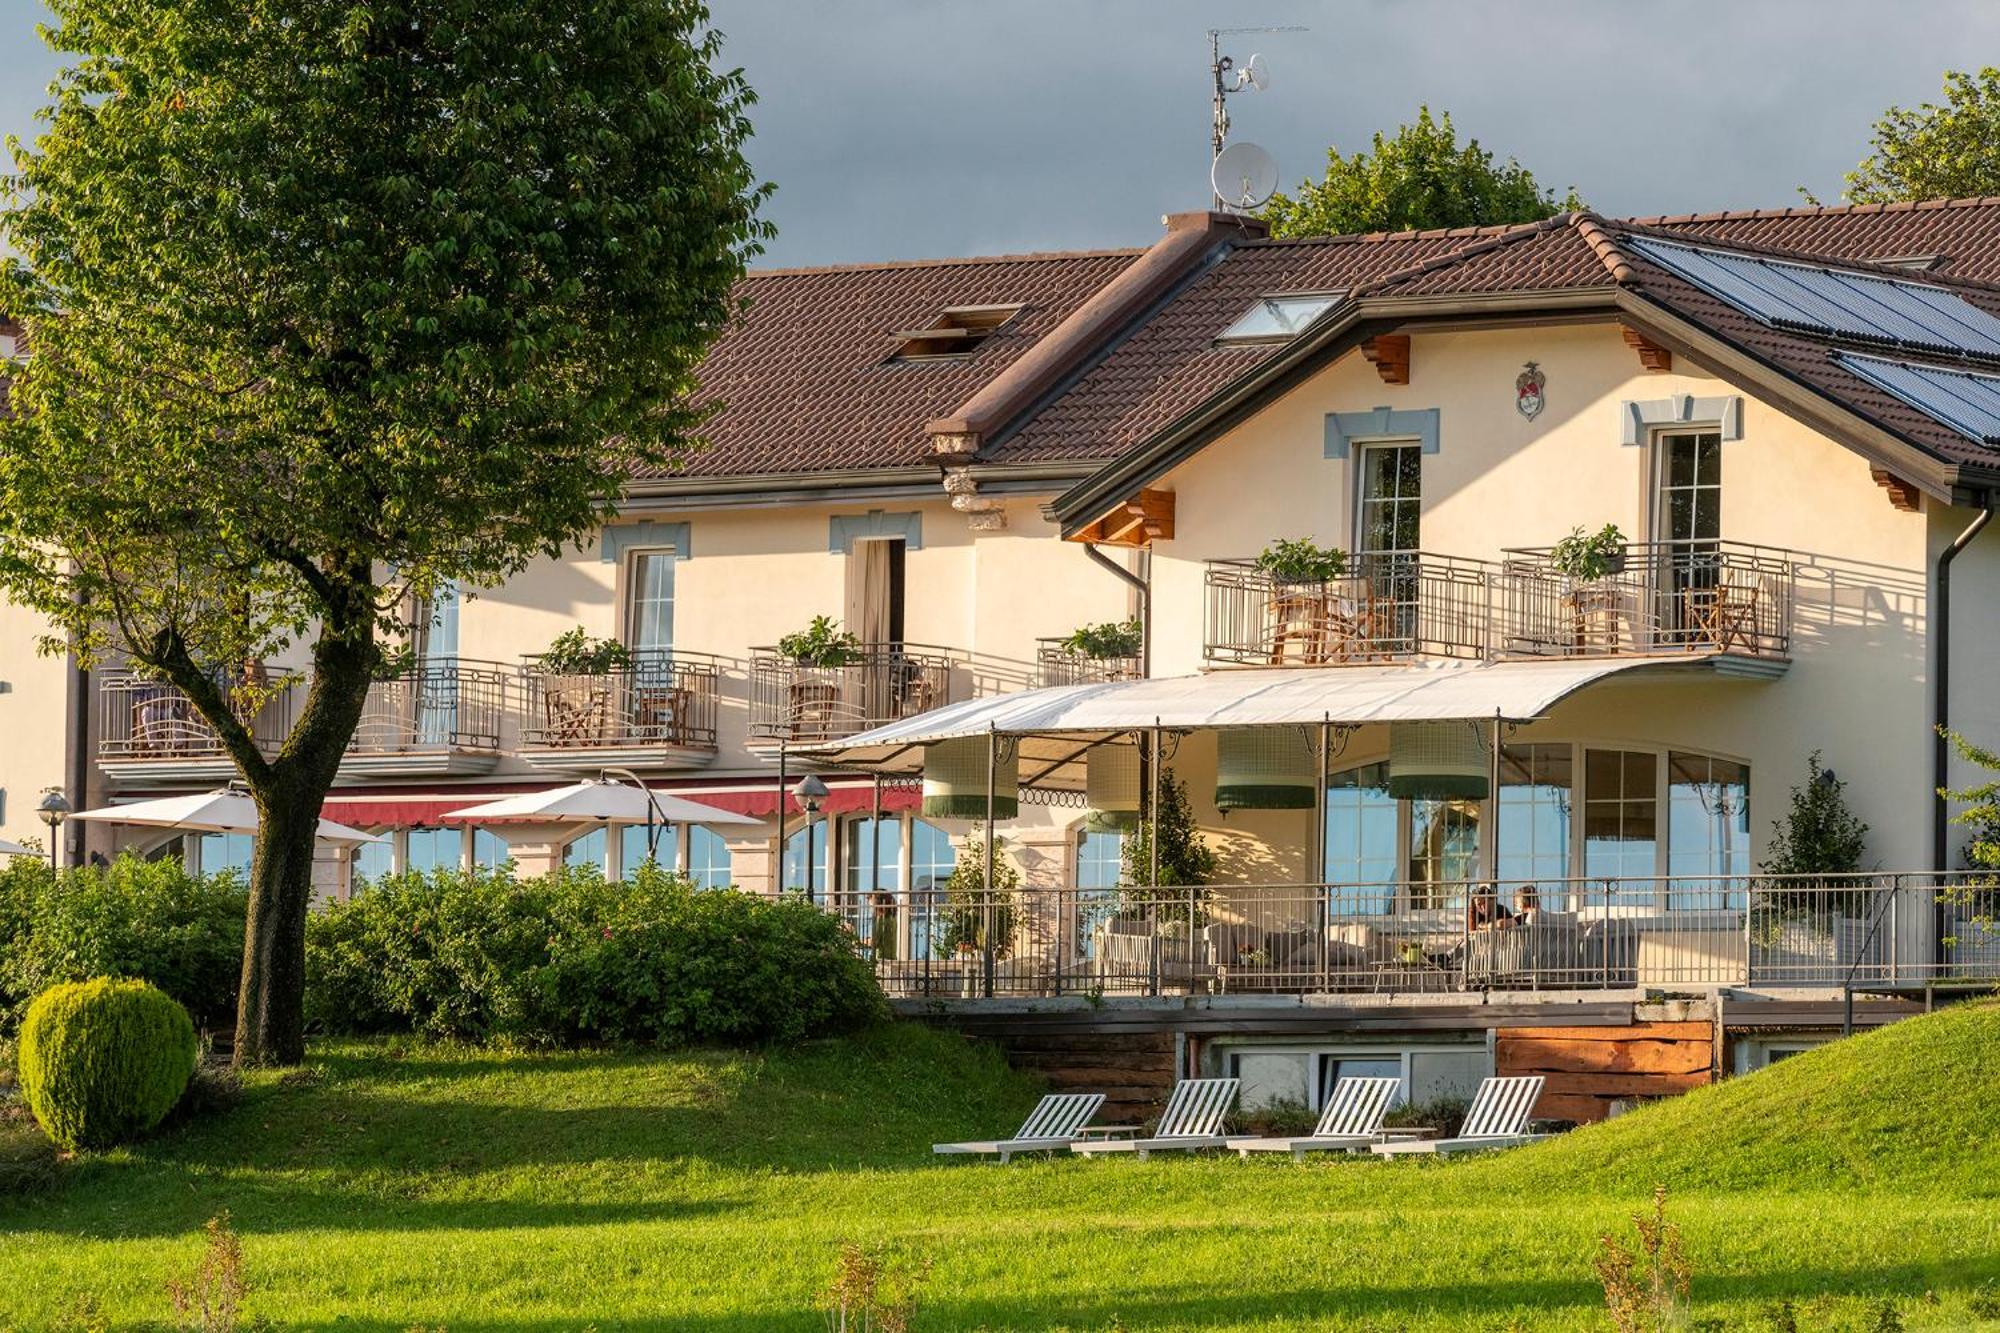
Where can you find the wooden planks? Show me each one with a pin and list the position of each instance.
(1587, 1068)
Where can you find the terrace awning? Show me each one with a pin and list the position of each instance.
(1056, 727)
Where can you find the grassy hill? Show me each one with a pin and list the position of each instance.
(394, 1185)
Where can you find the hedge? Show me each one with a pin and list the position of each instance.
(103, 1061)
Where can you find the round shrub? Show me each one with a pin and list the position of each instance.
(103, 1061)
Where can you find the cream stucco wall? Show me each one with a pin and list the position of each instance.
(34, 724)
(1857, 686)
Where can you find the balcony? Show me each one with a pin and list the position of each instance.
(1387, 608)
(1664, 598)
(659, 712)
(796, 702)
(149, 733)
(1058, 664)
(1883, 932)
(431, 718)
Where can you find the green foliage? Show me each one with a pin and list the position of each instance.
(823, 643)
(1186, 859)
(1112, 639)
(1936, 151)
(104, 1061)
(146, 919)
(965, 923)
(1301, 560)
(1587, 557)
(575, 653)
(1421, 178)
(1818, 835)
(567, 958)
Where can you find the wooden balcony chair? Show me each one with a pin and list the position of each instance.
(1298, 616)
(1723, 617)
(663, 713)
(576, 710)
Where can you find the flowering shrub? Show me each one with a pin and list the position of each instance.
(567, 958)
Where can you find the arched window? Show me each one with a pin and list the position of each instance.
(489, 850)
(226, 851)
(372, 861)
(586, 851)
(932, 859)
(428, 849)
(708, 864)
(1100, 868)
(633, 851)
(871, 855)
(804, 864)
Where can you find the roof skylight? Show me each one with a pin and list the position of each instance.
(1278, 318)
(956, 332)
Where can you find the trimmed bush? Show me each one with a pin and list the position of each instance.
(146, 919)
(567, 959)
(104, 1061)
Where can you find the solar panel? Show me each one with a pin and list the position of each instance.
(1834, 302)
(1963, 400)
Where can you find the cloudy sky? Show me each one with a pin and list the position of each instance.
(912, 128)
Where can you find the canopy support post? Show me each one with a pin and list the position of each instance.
(1153, 854)
(1491, 856)
(778, 855)
(992, 779)
(1319, 847)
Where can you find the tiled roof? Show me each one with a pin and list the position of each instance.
(805, 375)
(1964, 233)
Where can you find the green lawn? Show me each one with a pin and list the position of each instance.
(397, 1186)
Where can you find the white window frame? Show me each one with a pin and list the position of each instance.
(631, 571)
(1359, 488)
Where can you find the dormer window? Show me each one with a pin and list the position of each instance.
(1277, 318)
(956, 332)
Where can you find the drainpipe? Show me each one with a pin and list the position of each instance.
(1145, 587)
(1941, 697)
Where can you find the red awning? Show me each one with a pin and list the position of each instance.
(759, 801)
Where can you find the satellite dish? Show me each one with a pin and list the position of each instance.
(1254, 75)
(1244, 176)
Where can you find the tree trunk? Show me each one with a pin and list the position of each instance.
(270, 1003)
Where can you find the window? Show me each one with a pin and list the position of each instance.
(489, 850)
(428, 849)
(875, 591)
(1278, 318)
(1690, 499)
(1334, 1068)
(872, 856)
(708, 864)
(1533, 822)
(586, 851)
(1443, 851)
(1620, 814)
(956, 332)
(633, 851)
(932, 859)
(1708, 832)
(373, 860)
(1361, 862)
(217, 852)
(650, 610)
(804, 864)
(1390, 498)
(1100, 868)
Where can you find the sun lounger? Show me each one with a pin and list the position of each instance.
(1352, 1120)
(1193, 1120)
(1498, 1119)
(1056, 1122)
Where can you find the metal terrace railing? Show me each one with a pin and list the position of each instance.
(433, 704)
(1664, 597)
(878, 683)
(1387, 607)
(1861, 932)
(142, 720)
(1057, 664)
(661, 699)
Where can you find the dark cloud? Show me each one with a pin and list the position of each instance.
(906, 128)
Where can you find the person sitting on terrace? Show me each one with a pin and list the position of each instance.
(1485, 911)
(1527, 902)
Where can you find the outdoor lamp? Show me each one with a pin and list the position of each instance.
(53, 809)
(810, 794)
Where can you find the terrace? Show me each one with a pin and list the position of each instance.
(1729, 599)
(149, 731)
(430, 717)
(856, 688)
(657, 711)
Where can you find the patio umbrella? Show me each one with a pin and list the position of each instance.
(601, 801)
(225, 811)
(13, 849)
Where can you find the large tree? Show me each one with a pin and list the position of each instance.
(329, 304)
(1421, 178)
(1935, 152)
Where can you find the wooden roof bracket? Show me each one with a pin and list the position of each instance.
(1138, 521)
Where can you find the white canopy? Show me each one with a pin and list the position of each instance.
(225, 811)
(13, 849)
(603, 801)
(1058, 726)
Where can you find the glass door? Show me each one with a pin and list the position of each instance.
(1687, 525)
(1387, 536)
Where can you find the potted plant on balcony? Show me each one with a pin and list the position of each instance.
(969, 920)
(814, 695)
(1586, 561)
(1589, 557)
(1300, 610)
(822, 643)
(576, 688)
(1120, 642)
(1291, 561)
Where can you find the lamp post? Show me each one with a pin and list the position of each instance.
(53, 809)
(811, 794)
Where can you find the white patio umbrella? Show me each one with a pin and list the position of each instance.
(225, 811)
(13, 849)
(601, 801)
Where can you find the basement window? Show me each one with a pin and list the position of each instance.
(956, 332)
(1277, 318)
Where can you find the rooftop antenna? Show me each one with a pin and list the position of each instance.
(1229, 77)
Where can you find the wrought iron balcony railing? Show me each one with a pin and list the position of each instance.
(1662, 597)
(1385, 608)
(876, 684)
(1057, 664)
(662, 700)
(143, 721)
(434, 705)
